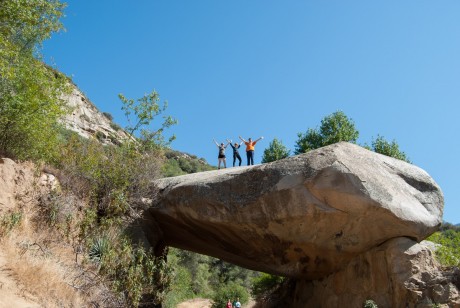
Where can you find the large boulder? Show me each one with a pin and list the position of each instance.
(305, 216)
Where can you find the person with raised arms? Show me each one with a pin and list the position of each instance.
(236, 154)
(250, 147)
(221, 156)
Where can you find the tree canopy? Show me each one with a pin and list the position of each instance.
(30, 91)
(334, 128)
(276, 150)
(382, 146)
(338, 127)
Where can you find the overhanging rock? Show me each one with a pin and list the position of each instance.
(305, 216)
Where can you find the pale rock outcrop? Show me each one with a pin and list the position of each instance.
(87, 121)
(306, 216)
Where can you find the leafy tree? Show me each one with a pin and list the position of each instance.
(276, 150)
(264, 284)
(140, 114)
(382, 146)
(448, 251)
(230, 291)
(334, 128)
(30, 104)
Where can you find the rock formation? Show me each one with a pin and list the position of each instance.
(306, 216)
(87, 121)
(335, 215)
(398, 274)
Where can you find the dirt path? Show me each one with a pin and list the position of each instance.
(206, 303)
(10, 294)
(196, 303)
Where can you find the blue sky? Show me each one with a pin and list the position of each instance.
(276, 68)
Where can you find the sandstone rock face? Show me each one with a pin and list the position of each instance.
(86, 120)
(306, 216)
(400, 273)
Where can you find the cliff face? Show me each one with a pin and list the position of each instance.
(86, 120)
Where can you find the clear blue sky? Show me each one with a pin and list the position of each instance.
(276, 68)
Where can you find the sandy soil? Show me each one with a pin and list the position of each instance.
(11, 294)
(196, 303)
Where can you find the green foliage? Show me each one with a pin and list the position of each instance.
(134, 272)
(30, 104)
(140, 113)
(230, 290)
(370, 304)
(9, 221)
(181, 163)
(338, 127)
(382, 146)
(115, 126)
(108, 115)
(334, 128)
(98, 249)
(198, 267)
(264, 284)
(276, 150)
(181, 285)
(448, 250)
(115, 178)
(172, 168)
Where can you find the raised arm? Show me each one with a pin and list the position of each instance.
(258, 139)
(242, 139)
(215, 142)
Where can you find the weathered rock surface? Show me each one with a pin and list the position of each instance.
(400, 273)
(87, 121)
(306, 216)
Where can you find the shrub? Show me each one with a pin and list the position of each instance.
(230, 291)
(108, 116)
(264, 284)
(448, 251)
(9, 221)
(370, 304)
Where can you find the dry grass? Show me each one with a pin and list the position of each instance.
(40, 259)
(40, 275)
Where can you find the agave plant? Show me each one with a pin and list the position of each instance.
(99, 247)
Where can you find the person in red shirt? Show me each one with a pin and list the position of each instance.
(229, 304)
(250, 146)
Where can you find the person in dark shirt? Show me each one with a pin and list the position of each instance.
(236, 154)
(221, 156)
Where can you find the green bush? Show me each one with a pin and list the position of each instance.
(448, 250)
(9, 221)
(264, 284)
(370, 304)
(230, 291)
(181, 285)
(30, 91)
(135, 273)
(108, 115)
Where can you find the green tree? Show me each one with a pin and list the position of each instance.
(276, 150)
(334, 128)
(140, 113)
(30, 92)
(382, 146)
(448, 248)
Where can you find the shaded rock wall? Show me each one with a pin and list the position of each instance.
(400, 273)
